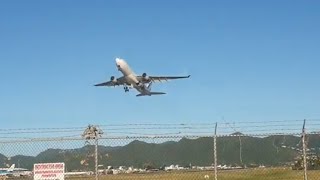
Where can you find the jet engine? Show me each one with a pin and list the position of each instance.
(145, 77)
(113, 79)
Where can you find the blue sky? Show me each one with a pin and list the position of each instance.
(249, 61)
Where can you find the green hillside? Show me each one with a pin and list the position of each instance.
(270, 151)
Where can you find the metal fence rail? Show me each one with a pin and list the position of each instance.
(94, 155)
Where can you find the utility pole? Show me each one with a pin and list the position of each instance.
(215, 152)
(240, 150)
(240, 143)
(93, 133)
(304, 150)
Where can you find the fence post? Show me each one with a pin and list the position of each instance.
(304, 150)
(215, 152)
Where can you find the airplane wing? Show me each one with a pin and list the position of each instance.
(117, 82)
(148, 79)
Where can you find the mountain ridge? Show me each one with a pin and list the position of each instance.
(270, 151)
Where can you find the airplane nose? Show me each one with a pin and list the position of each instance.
(118, 62)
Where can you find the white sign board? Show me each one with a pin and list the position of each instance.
(48, 171)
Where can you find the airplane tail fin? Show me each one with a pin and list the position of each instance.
(11, 168)
(151, 93)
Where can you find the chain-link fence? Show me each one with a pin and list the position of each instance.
(179, 157)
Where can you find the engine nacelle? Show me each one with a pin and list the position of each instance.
(113, 79)
(145, 77)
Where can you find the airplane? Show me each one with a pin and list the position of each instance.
(7, 171)
(13, 171)
(141, 83)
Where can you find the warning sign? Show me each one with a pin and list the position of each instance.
(48, 171)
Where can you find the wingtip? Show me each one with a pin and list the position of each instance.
(189, 76)
(96, 85)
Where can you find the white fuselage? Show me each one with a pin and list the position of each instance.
(130, 76)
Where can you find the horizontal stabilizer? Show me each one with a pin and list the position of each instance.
(151, 93)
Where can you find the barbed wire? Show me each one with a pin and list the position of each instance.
(36, 129)
(37, 132)
(263, 123)
(63, 130)
(124, 130)
(159, 136)
(164, 129)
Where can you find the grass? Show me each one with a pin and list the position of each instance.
(244, 174)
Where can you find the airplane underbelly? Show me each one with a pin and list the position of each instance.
(131, 79)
